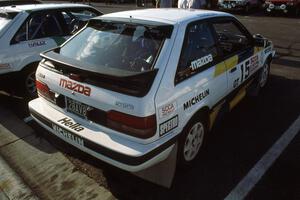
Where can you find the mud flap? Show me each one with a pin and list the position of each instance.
(162, 173)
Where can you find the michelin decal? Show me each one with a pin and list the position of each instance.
(195, 99)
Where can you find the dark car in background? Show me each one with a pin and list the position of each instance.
(285, 6)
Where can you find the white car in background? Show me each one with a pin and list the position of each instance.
(28, 30)
(131, 84)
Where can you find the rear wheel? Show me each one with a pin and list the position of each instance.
(191, 141)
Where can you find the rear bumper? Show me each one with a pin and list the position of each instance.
(117, 151)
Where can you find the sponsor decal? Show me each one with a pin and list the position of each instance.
(169, 125)
(124, 105)
(267, 50)
(76, 87)
(36, 44)
(167, 109)
(66, 134)
(41, 75)
(201, 62)
(72, 125)
(195, 99)
(253, 63)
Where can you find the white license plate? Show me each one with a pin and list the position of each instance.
(77, 107)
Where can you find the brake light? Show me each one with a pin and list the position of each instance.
(44, 91)
(142, 127)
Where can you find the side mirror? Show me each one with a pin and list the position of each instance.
(259, 41)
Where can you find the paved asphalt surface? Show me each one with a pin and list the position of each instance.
(243, 137)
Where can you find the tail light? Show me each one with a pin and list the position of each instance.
(142, 127)
(44, 91)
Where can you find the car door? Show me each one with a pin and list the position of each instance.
(237, 48)
(40, 31)
(200, 80)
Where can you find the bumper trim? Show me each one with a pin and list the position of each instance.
(128, 160)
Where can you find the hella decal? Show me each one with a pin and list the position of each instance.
(167, 109)
(72, 125)
(169, 125)
(68, 135)
(195, 99)
(75, 87)
(201, 62)
(36, 44)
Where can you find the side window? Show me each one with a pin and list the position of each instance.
(198, 52)
(39, 26)
(230, 37)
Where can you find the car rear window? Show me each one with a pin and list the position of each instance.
(127, 47)
(6, 17)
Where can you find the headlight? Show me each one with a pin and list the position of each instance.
(271, 6)
(283, 7)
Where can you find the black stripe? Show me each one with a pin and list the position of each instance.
(128, 160)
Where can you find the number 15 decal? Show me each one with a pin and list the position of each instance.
(245, 67)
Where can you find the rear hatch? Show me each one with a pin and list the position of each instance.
(104, 74)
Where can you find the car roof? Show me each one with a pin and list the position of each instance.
(166, 15)
(37, 7)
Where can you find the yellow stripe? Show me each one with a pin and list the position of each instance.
(237, 98)
(231, 62)
(257, 49)
(213, 115)
(220, 69)
(241, 94)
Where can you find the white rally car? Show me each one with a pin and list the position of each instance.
(28, 30)
(131, 84)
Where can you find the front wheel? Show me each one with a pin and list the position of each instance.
(27, 83)
(191, 141)
(261, 80)
(264, 75)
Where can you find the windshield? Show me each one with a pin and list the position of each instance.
(116, 45)
(6, 17)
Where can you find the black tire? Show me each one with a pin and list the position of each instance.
(27, 82)
(189, 141)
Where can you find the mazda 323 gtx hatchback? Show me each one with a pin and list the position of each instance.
(131, 84)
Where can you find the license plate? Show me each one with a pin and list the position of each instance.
(67, 135)
(77, 107)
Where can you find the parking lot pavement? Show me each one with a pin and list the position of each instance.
(12, 186)
(282, 181)
(234, 148)
(46, 171)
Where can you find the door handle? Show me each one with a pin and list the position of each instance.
(233, 70)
